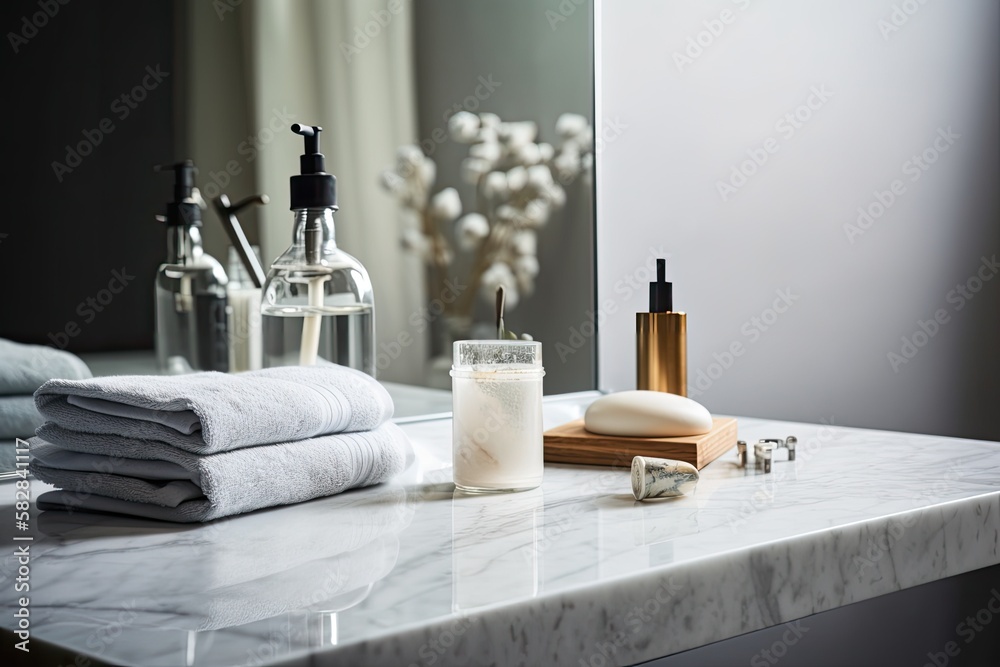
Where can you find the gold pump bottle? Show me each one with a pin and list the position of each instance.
(661, 340)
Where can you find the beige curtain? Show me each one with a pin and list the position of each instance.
(345, 65)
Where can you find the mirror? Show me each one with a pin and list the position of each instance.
(459, 132)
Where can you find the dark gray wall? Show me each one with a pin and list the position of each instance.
(63, 240)
(545, 68)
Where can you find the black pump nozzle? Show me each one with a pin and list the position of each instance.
(661, 293)
(313, 187)
(184, 209)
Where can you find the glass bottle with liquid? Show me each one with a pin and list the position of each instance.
(191, 300)
(318, 302)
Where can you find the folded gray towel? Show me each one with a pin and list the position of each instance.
(205, 413)
(18, 417)
(25, 368)
(157, 481)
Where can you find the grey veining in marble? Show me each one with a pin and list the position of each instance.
(414, 574)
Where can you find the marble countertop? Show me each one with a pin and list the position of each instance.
(412, 574)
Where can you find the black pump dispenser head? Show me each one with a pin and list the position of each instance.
(661, 293)
(313, 187)
(184, 209)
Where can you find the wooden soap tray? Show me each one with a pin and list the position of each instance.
(571, 443)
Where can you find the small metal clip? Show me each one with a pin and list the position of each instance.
(763, 453)
(788, 443)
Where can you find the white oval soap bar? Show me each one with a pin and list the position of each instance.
(651, 414)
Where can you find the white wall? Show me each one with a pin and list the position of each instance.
(854, 292)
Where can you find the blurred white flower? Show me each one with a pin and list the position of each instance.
(495, 184)
(567, 165)
(408, 159)
(487, 150)
(529, 154)
(539, 176)
(570, 125)
(416, 242)
(517, 178)
(463, 127)
(517, 134)
(524, 242)
(473, 169)
(472, 228)
(507, 213)
(520, 182)
(489, 120)
(499, 275)
(527, 264)
(427, 172)
(446, 205)
(488, 134)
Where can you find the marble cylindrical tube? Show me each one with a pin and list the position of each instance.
(662, 478)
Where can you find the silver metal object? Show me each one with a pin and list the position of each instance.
(741, 452)
(788, 443)
(763, 451)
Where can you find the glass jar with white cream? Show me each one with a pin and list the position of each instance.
(497, 403)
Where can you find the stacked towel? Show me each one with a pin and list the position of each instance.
(23, 369)
(202, 446)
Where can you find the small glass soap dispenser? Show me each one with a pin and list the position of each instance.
(191, 318)
(318, 301)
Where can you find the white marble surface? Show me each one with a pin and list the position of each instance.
(410, 574)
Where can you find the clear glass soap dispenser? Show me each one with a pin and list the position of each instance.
(191, 303)
(318, 301)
